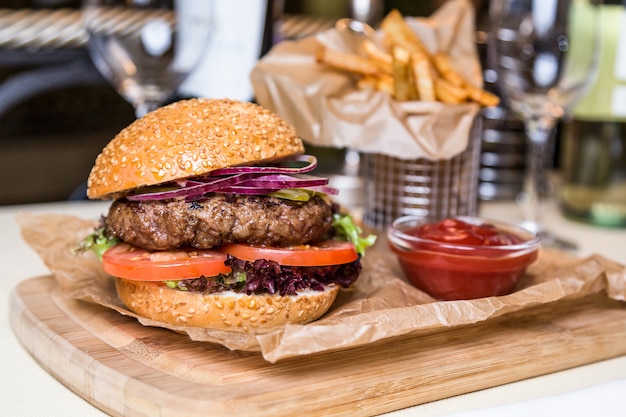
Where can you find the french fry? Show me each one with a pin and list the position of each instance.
(385, 83)
(367, 82)
(443, 64)
(381, 58)
(381, 82)
(404, 88)
(398, 32)
(481, 96)
(405, 69)
(447, 92)
(346, 61)
(423, 75)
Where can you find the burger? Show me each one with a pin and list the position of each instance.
(217, 221)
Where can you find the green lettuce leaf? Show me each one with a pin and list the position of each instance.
(348, 231)
(98, 241)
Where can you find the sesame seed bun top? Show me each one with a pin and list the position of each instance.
(186, 139)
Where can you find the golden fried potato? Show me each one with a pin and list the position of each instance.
(346, 61)
(423, 76)
(405, 69)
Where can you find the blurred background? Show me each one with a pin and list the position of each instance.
(57, 112)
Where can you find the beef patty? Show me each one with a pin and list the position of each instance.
(258, 220)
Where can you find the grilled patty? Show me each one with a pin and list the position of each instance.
(258, 220)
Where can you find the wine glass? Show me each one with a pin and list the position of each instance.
(146, 48)
(545, 54)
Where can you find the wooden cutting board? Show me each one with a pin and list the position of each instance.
(127, 369)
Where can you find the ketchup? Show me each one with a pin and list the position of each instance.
(454, 259)
(460, 232)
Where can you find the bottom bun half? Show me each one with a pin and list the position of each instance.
(232, 311)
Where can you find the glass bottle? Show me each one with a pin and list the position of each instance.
(593, 153)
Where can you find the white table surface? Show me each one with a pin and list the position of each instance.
(596, 389)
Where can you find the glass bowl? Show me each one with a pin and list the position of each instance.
(462, 257)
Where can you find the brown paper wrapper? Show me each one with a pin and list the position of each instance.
(326, 108)
(380, 305)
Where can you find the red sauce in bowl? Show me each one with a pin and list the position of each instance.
(459, 259)
(463, 233)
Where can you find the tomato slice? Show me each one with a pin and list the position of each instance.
(130, 262)
(329, 252)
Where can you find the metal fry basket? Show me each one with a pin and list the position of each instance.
(432, 189)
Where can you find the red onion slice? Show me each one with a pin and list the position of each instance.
(324, 189)
(239, 189)
(269, 183)
(246, 180)
(311, 164)
(278, 181)
(197, 188)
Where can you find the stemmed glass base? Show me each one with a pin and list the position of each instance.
(146, 107)
(545, 55)
(538, 130)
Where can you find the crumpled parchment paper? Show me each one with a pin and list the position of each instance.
(327, 109)
(380, 305)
